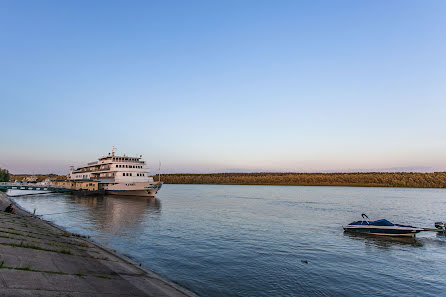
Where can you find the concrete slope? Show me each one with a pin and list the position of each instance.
(38, 258)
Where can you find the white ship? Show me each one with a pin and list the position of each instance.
(120, 175)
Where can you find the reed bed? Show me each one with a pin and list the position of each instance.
(360, 179)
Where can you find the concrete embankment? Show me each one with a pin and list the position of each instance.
(40, 259)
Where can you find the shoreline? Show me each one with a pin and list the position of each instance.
(419, 180)
(289, 185)
(115, 274)
(355, 179)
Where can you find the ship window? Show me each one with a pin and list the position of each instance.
(130, 174)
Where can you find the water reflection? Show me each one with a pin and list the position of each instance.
(385, 242)
(113, 213)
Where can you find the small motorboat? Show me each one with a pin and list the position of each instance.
(381, 227)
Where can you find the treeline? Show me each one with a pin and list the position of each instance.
(368, 179)
(40, 177)
(4, 175)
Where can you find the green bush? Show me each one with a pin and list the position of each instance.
(4, 175)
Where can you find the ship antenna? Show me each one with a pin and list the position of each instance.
(113, 150)
(159, 172)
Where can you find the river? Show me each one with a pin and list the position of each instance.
(222, 240)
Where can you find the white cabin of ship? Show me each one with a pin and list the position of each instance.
(113, 169)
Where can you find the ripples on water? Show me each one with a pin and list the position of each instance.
(267, 240)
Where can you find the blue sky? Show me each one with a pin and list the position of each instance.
(213, 86)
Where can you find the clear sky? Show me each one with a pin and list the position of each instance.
(219, 86)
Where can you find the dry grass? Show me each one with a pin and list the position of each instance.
(368, 179)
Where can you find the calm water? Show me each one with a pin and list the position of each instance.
(252, 240)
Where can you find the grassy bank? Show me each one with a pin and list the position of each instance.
(369, 179)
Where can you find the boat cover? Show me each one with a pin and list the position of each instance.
(382, 222)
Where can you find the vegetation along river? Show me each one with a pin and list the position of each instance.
(220, 240)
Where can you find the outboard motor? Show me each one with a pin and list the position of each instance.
(440, 226)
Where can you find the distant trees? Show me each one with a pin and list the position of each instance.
(359, 179)
(4, 175)
(40, 177)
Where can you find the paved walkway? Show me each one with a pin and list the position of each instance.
(39, 259)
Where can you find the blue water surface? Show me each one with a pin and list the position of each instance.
(220, 240)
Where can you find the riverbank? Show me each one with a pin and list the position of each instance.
(38, 258)
(366, 179)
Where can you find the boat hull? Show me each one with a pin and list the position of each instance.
(139, 193)
(141, 190)
(385, 231)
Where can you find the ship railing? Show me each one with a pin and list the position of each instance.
(90, 170)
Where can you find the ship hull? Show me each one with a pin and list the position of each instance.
(139, 193)
(142, 190)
